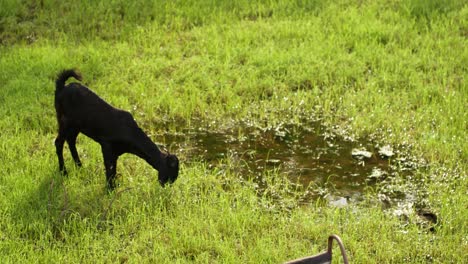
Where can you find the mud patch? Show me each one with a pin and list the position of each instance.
(339, 169)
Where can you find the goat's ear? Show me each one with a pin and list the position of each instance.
(172, 161)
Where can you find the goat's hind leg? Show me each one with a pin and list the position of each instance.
(59, 141)
(71, 140)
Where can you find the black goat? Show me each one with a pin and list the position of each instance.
(81, 110)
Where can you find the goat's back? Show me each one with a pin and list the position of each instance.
(90, 114)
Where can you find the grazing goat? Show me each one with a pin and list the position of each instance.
(81, 110)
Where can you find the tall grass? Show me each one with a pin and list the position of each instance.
(391, 71)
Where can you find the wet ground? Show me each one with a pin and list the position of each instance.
(306, 155)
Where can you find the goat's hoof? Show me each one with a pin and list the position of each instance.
(111, 190)
(111, 187)
(64, 172)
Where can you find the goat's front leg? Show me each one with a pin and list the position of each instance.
(59, 141)
(110, 163)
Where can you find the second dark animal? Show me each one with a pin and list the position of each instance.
(81, 110)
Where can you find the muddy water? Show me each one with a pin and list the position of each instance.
(305, 155)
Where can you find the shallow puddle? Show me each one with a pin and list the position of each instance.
(305, 155)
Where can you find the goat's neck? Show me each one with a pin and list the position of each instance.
(147, 150)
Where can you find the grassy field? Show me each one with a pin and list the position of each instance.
(393, 72)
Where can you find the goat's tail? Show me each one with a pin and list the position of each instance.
(63, 77)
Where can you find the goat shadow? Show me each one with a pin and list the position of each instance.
(54, 204)
(46, 209)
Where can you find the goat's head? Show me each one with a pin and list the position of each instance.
(168, 169)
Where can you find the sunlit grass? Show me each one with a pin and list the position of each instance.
(391, 71)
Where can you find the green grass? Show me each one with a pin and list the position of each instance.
(391, 71)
